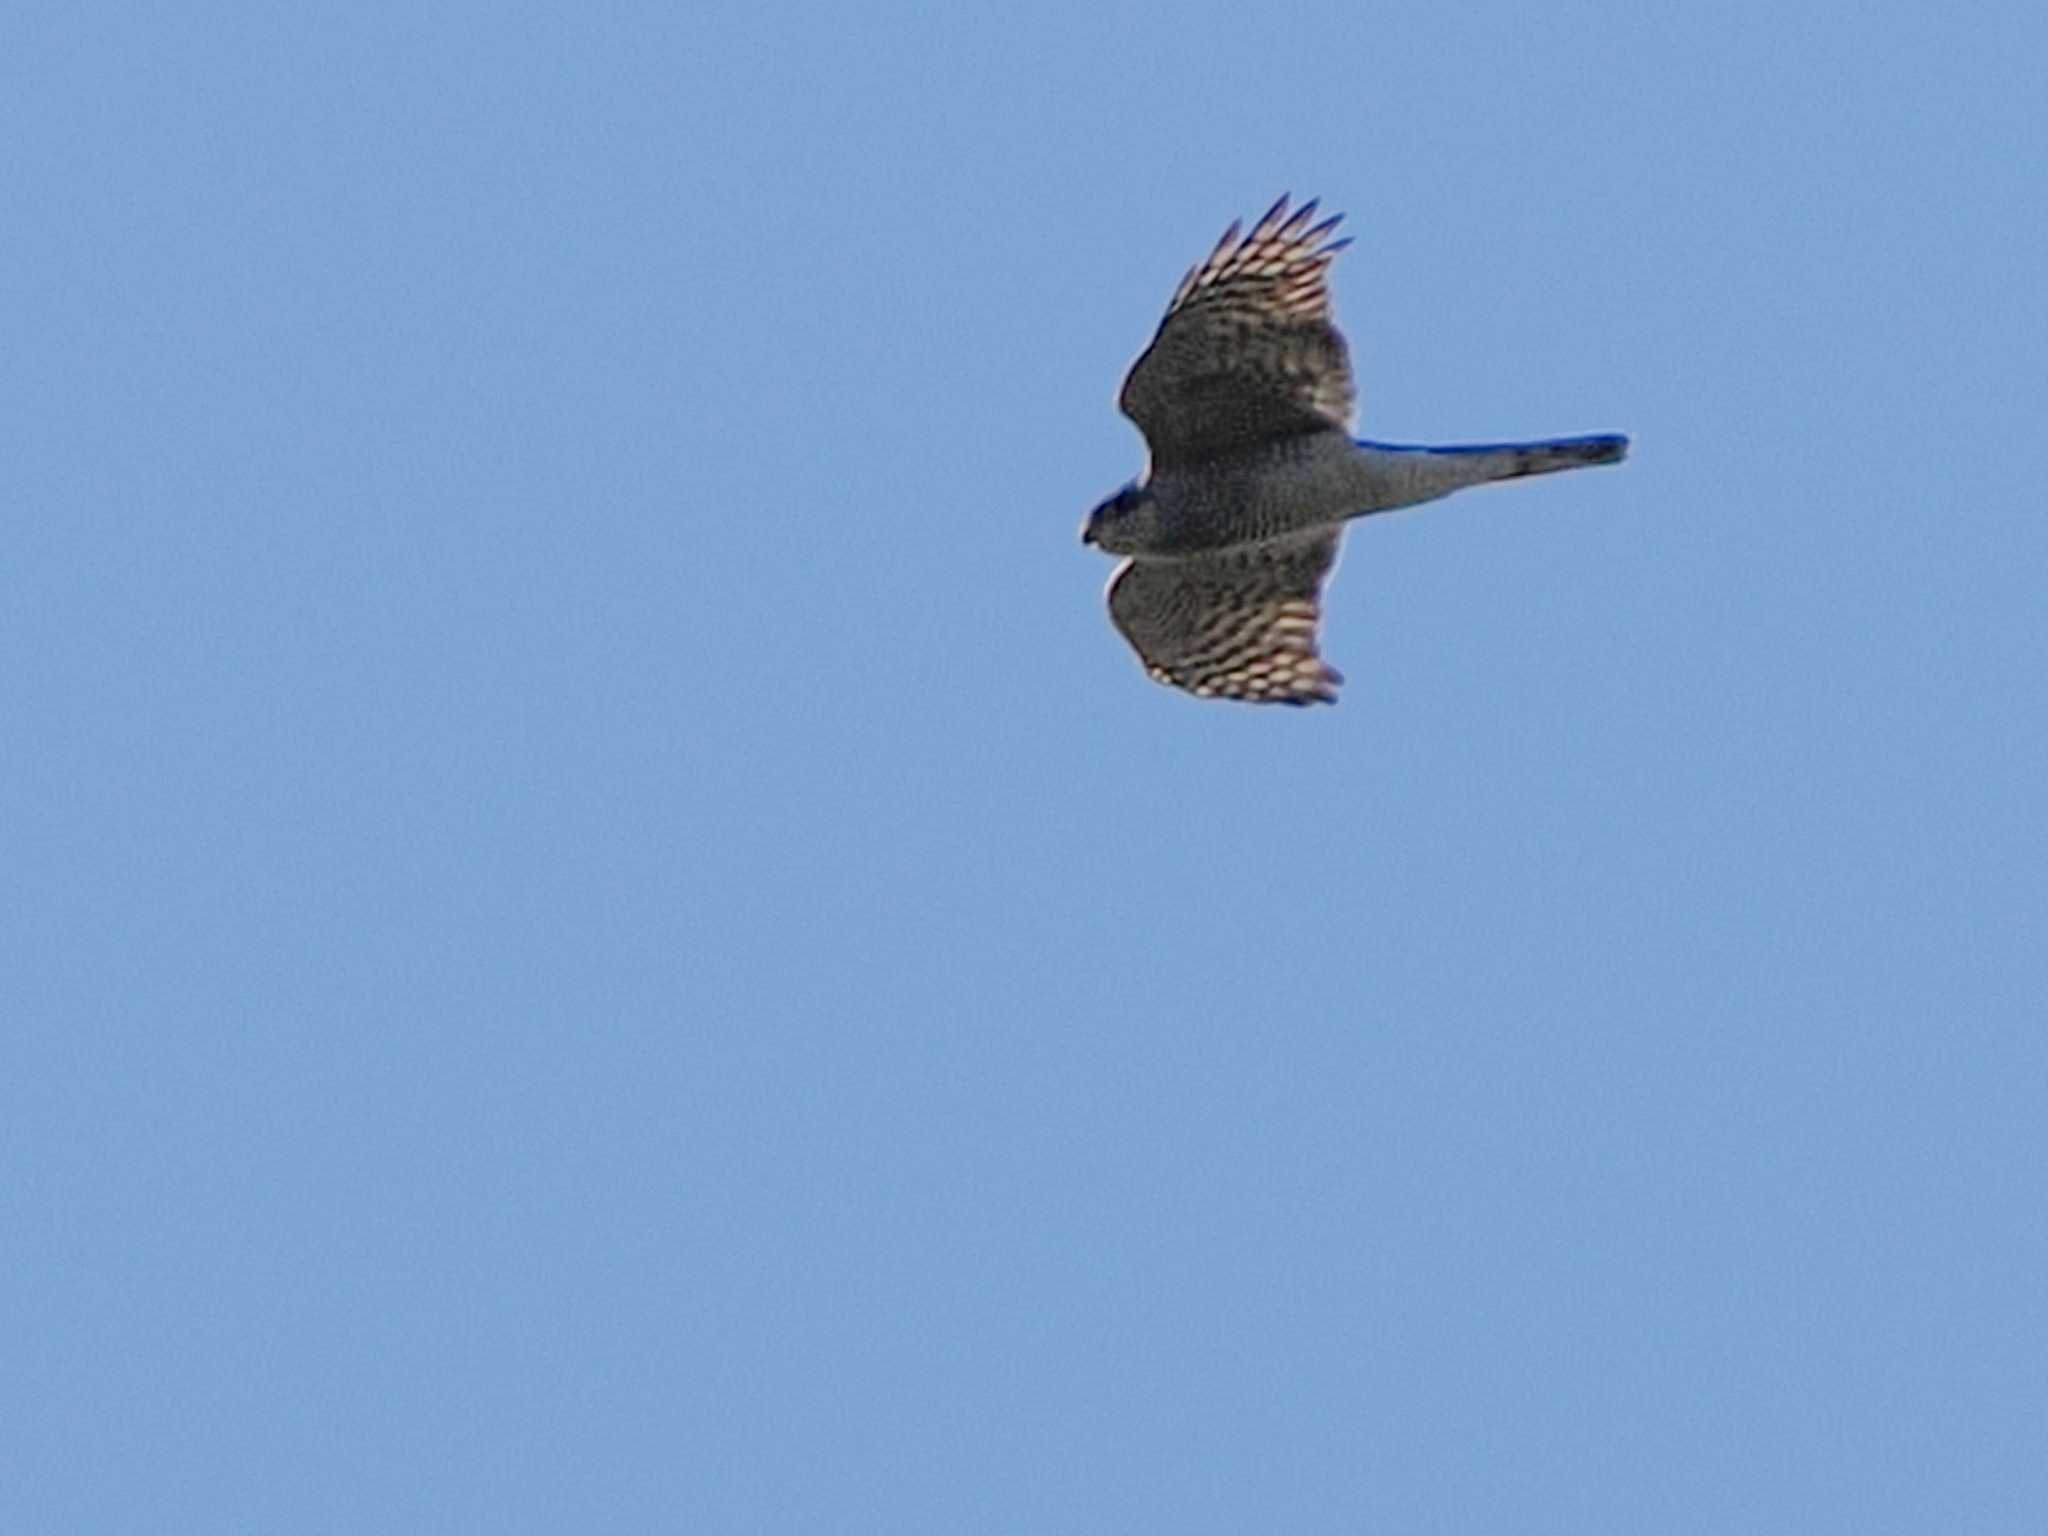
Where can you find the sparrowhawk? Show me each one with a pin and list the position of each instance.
(1246, 403)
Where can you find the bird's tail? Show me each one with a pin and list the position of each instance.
(1404, 473)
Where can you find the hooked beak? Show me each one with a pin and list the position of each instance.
(1088, 530)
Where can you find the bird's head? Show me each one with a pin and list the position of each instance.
(1123, 524)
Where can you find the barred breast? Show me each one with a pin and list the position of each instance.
(1290, 485)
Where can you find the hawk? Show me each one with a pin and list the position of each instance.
(1246, 402)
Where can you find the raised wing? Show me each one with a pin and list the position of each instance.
(1235, 623)
(1247, 351)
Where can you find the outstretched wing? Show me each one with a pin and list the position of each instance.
(1234, 623)
(1247, 351)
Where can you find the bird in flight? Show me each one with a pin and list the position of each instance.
(1246, 402)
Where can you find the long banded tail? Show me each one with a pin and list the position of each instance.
(1405, 473)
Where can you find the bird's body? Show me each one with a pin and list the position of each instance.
(1245, 400)
(1321, 479)
(1284, 486)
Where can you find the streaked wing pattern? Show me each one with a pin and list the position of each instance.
(1235, 623)
(1247, 351)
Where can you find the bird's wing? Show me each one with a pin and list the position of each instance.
(1233, 623)
(1247, 351)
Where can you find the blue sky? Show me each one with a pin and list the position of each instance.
(601, 936)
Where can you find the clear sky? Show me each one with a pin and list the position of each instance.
(599, 934)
